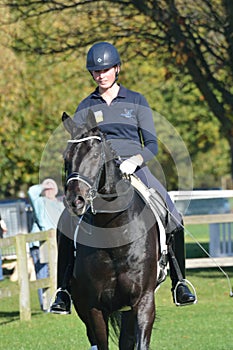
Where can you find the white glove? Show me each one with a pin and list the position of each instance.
(130, 165)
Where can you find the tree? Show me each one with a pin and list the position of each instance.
(192, 40)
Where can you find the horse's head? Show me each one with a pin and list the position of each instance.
(84, 157)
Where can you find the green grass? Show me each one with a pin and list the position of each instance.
(204, 326)
(196, 235)
(198, 232)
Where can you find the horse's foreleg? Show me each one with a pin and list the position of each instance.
(99, 326)
(145, 320)
(96, 327)
(127, 334)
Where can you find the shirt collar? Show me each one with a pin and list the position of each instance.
(122, 92)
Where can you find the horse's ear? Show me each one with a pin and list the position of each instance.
(69, 124)
(91, 121)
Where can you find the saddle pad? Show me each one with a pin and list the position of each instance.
(157, 205)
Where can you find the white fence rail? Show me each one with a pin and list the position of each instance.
(200, 194)
(220, 225)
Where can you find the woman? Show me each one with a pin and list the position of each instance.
(125, 117)
(47, 210)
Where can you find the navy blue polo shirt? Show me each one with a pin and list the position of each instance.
(127, 122)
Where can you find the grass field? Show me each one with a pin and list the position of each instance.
(204, 326)
(196, 238)
(197, 232)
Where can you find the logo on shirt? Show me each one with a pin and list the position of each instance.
(128, 113)
(99, 117)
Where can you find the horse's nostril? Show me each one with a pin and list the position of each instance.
(78, 202)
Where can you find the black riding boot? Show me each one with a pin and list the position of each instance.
(65, 264)
(176, 256)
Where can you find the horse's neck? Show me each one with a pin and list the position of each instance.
(111, 173)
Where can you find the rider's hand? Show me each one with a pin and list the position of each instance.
(130, 165)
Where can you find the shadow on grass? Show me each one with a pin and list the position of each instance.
(195, 251)
(211, 272)
(12, 316)
(8, 317)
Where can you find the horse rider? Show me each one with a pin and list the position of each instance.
(125, 117)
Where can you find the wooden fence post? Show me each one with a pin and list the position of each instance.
(24, 290)
(52, 259)
(48, 254)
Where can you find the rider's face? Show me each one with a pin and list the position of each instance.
(105, 77)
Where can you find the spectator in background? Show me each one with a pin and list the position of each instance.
(3, 230)
(47, 210)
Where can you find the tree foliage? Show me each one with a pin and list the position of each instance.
(178, 53)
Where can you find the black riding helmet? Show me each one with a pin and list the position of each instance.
(102, 55)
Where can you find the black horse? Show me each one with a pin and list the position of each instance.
(117, 242)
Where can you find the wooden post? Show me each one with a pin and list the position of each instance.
(46, 295)
(214, 245)
(24, 290)
(48, 254)
(52, 258)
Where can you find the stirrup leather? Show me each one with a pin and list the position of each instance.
(162, 268)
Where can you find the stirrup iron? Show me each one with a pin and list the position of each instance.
(184, 281)
(54, 297)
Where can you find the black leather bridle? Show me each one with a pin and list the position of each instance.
(75, 176)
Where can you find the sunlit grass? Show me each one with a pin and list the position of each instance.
(198, 233)
(204, 326)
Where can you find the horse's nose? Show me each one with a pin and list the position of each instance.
(78, 202)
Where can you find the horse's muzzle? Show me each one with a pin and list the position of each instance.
(78, 189)
(76, 205)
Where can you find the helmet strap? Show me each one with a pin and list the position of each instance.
(116, 76)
